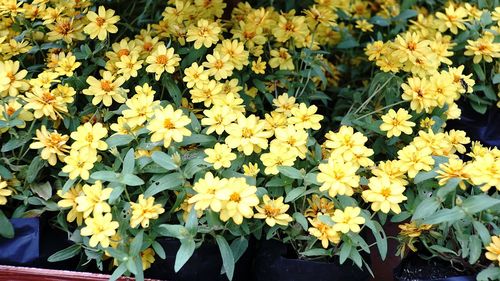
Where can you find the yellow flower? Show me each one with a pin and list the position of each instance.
(168, 125)
(493, 250)
(107, 89)
(206, 189)
(67, 29)
(392, 170)
(483, 48)
(453, 19)
(304, 117)
(346, 143)
(88, 138)
(162, 60)
(100, 228)
(218, 65)
(259, 66)
(238, 199)
(364, 25)
(319, 206)
(53, 145)
(485, 171)
(251, 169)
(412, 230)
(282, 59)
(144, 210)
(9, 108)
(206, 92)
(12, 79)
(101, 23)
(147, 258)
(284, 104)
(45, 103)
(410, 47)
(204, 33)
(195, 75)
(68, 200)
(455, 168)
(220, 156)
(414, 160)
(129, 65)
(418, 92)
(45, 79)
(141, 108)
(218, 118)
(291, 27)
(348, 220)
(4, 191)
(293, 138)
(66, 64)
(93, 199)
(396, 123)
(324, 232)
(273, 211)
(338, 177)
(384, 194)
(78, 164)
(238, 56)
(278, 155)
(248, 134)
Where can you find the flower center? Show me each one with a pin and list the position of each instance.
(123, 52)
(167, 124)
(235, 197)
(106, 85)
(100, 21)
(246, 133)
(161, 59)
(271, 211)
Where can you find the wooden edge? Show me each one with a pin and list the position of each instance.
(17, 273)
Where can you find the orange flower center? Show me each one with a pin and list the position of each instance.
(271, 211)
(106, 85)
(235, 197)
(246, 133)
(100, 21)
(167, 124)
(161, 59)
(123, 52)
(10, 110)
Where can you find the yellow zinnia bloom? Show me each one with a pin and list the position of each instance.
(204, 33)
(278, 155)
(206, 189)
(384, 194)
(162, 60)
(107, 89)
(168, 125)
(101, 23)
(324, 232)
(12, 79)
(100, 228)
(238, 199)
(248, 134)
(220, 156)
(4, 191)
(93, 199)
(493, 250)
(414, 160)
(273, 211)
(78, 164)
(53, 145)
(144, 210)
(348, 220)
(68, 200)
(338, 177)
(88, 138)
(396, 123)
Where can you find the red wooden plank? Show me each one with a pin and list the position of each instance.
(16, 273)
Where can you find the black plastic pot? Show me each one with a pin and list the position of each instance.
(205, 264)
(414, 268)
(271, 263)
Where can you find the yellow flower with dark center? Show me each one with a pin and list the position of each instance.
(129, 65)
(141, 108)
(384, 194)
(396, 123)
(67, 29)
(273, 211)
(100, 228)
(483, 48)
(219, 65)
(53, 145)
(455, 168)
(68, 200)
(259, 66)
(92, 199)
(11, 107)
(348, 220)
(101, 23)
(169, 125)
(248, 134)
(220, 156)
(195, 75)
(206, 92)
(338, 177)
(144, 210)
(452, 19)
(4, 191)
(305, 117)
(418, 92)
(206, 189)
(493, 250)
(218, 118)
(45, 102)
(66, 64)
(413, 159)
(413, 230)
(251, 169)
(282, 59)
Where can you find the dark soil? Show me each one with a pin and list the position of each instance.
(414, 268)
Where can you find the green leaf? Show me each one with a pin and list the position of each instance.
(446, 215)
(450, 186)
(119, 271)
(239, 246)
(479, 71)
(164, 160)
(158, 249)
(490, 273)
(496, 78)
(299, 217)
(129, 162)
(227, 256)
(290, 172)
(478, 203)
(475, 248)
(66, 253)
(482, 231)
(173, 230)
(316, 252)
(422, 176)
(295, 193)
(345, 250)
(68, 184)
(6, 228)
(426, 208)
(34, 168)
(164, 183)
(105, 176)
(131, 180)
(192, 222)
(185, 252)
(44, 190)
(136, 245)
(16, 142)
(119, 140)
(172, 88)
